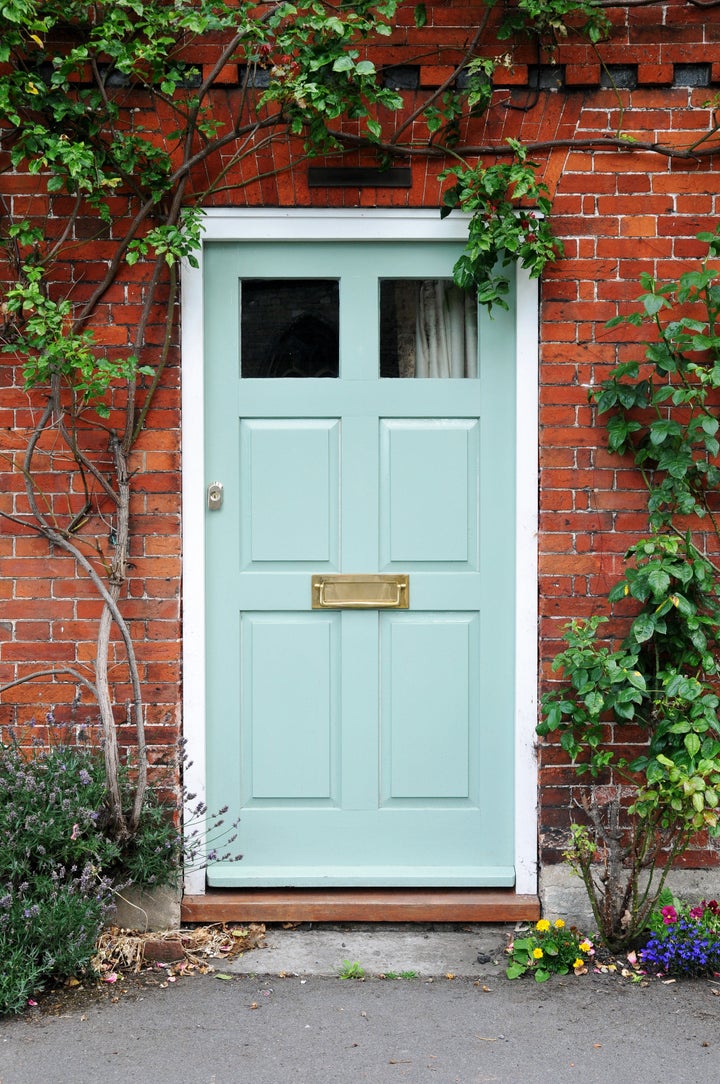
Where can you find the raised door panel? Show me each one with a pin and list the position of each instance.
(289, 478)
(290, 707)
(429, 492)
(429, 709)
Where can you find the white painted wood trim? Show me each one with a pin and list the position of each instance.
(304, 224)
(526, 582)
(193, 535)
(314, 224)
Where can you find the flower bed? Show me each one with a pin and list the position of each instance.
(549, 949)
(685, 941)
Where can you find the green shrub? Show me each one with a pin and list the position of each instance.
(58, 865)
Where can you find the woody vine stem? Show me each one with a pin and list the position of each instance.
(71, 75)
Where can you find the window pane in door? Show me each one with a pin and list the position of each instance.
(289, 328)
(428, 328)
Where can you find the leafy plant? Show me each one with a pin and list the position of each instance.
(663, 675)
(684, 940)
(351, 969)
(667, 418)
(61, 865)
(550, 20)
(57, 865)
(666, 794)
(548, 949)
(510, 224)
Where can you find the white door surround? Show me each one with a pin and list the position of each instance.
(356, 224)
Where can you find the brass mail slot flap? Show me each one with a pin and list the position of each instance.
(368, 592)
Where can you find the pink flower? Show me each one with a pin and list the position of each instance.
(697, 912)
(669, 915)
(75, 832)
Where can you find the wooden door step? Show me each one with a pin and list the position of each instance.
(360, 905)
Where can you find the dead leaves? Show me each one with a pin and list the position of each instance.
(177, 952)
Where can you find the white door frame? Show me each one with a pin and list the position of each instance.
(304, 224)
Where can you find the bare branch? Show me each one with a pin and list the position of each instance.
(139, 421)
(653, 3)
(66, 232)
(447, 82)
(150, 205)
(83, 461)
(54, 672)
(695, 150)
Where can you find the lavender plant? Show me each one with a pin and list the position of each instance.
(206, 836)
(59, 865)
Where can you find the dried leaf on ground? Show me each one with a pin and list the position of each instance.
(124, 950)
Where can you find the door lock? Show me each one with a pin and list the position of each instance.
(215, 496)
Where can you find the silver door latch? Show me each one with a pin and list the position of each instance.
(215, 496)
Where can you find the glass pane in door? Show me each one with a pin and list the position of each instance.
(428, 328)
(289, 328)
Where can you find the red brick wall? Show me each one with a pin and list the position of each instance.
(49, 611)
(618, 211)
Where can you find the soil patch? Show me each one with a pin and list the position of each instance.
(127, 964)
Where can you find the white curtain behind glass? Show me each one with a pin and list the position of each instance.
(446, 331)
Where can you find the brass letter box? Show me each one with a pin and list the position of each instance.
(360, 592)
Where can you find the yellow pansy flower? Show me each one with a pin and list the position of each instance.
(578, 963)
(585, 946)
(558, 923)
(538, 953)
(543, 925)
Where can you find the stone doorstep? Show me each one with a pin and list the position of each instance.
(433, 951)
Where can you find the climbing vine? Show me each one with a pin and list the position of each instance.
(123, 137)
(664, 414)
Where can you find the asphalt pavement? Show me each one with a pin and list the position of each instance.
(439, 1014)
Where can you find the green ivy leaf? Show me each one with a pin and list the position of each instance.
(659, 581)
(595, 703)
(643, 627)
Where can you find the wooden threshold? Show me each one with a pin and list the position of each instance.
(360, 905)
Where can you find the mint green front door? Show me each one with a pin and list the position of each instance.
(359, 745)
